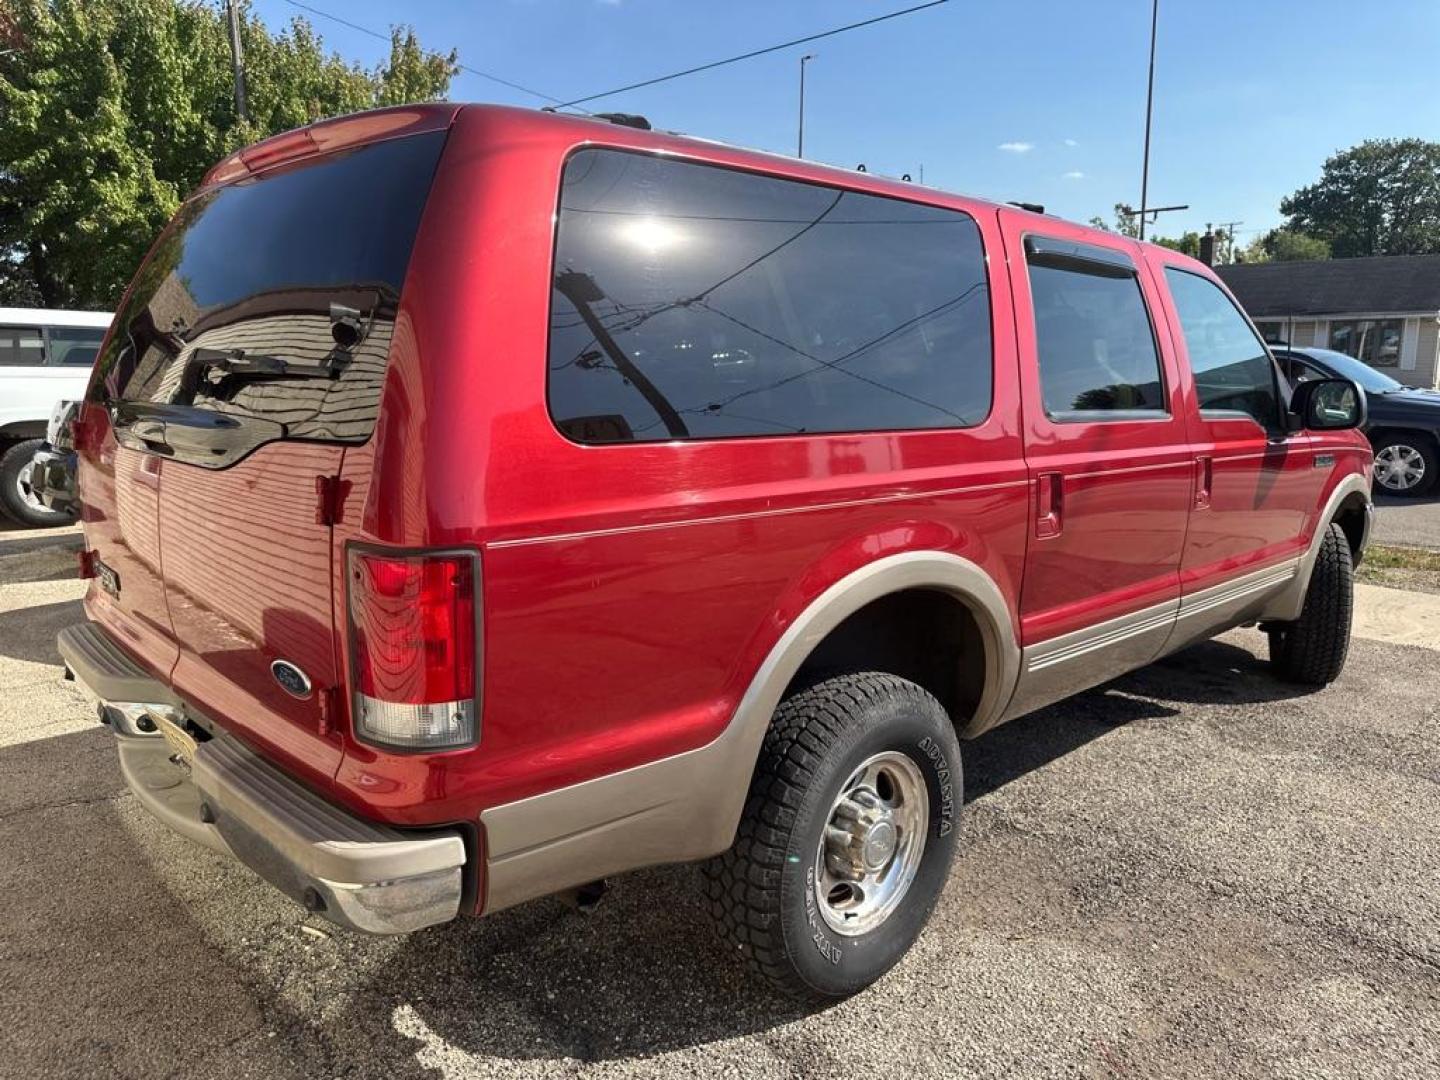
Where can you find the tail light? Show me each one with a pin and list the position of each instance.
(414, 648)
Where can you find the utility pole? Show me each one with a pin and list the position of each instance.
(1149, 105)
(237, 60)
(1230, 227)
(800, 141)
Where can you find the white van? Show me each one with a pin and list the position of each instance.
(45, 357)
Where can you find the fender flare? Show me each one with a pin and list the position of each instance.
(688, 806)
(1287, 604)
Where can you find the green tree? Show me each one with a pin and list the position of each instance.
(1187, 244)
(1379, 198)
(114, 110)
(1126, 224)
(1285, 245)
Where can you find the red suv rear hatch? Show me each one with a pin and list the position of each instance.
(249, 354)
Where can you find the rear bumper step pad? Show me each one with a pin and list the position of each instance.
(355, 872)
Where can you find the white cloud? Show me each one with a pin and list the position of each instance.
(1016, 147)
(1071, 142)
(1074, 174)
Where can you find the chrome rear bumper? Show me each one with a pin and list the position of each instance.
(354, 872)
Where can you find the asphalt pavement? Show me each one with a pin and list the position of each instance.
(1407, 522)
(1196, 871)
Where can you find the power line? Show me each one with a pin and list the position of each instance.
(751, 54)
(462, 67)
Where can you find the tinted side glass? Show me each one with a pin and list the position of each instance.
(236, 310)
(21, 346)
(692, 301)
(1096, 348)
(1233, 372)
(1298, 371)
(73, 346)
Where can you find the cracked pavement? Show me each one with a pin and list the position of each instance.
(1194, 871)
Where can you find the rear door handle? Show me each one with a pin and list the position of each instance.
(1204, 480)
(1049, 504)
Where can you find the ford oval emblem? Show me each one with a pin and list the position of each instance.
(291, 679)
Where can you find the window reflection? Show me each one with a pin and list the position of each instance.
(274, 297)
(700, 302)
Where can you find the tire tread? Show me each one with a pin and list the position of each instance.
(743, 884)
(1312, 649)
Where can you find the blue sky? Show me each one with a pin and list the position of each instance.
(1040, 100)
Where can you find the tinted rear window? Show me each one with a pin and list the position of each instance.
(692, 301)
(251, 270)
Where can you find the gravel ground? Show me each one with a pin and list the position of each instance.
(1407, 522)
(1193, 872)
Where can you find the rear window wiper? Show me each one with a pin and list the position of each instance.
(241, 362)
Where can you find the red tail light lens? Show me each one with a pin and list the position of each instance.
(414, 648)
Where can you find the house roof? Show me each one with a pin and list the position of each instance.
(1375, 285)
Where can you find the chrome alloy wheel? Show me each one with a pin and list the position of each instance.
(873, 843)
(28, 495)
(1399, 467)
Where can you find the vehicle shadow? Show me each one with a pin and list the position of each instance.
(38, 554)
(1207, 673)
(92, 929)
(29, 633)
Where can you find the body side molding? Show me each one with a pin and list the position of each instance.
(688, 806)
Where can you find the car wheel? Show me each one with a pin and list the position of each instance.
(1312, 649)
(1405, 465)
(847, 835)
(17, 497)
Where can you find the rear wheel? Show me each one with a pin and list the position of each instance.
(847, 836)
(1312, 649)
(1405, 464)
(17, 496)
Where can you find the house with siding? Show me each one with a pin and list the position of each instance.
(1383, 310)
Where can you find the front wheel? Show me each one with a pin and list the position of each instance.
(847, 835)
(1312, 649)
(1405, 465)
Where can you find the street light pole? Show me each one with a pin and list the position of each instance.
(800, 141)
(1149, 103)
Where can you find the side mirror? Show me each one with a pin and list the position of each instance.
(1328, 405)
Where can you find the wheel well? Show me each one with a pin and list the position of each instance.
(1351, 519)
(924, 635)
(22, 430)
(1378, 436)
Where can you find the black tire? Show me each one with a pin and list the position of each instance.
(12, 502)
(1312, 649)
(1411, 447)
(763, 891)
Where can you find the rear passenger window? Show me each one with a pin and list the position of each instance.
(1093, 336)
(21, 346)
(692, 301)
(74, 346)
(1233, 372)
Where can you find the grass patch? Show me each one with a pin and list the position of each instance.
(1385, 557)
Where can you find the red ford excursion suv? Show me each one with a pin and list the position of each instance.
(481, 502)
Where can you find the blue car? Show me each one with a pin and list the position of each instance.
(1404, 424)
